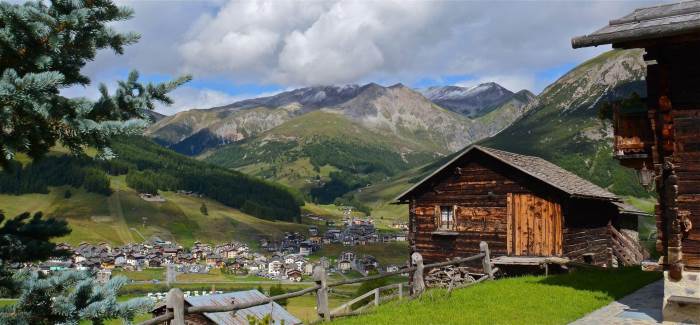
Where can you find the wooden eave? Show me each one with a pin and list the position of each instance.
(647, 26)
(403, 197)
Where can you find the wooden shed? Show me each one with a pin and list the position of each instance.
(661, 137)
(521, 206)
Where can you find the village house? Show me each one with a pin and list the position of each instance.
(521, 206)
(294, 275)
(660, 138)
(344, 265)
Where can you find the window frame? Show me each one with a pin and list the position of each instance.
(450, 224)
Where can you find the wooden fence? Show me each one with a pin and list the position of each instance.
(176, 310)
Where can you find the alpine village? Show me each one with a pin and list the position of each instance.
(349, 162)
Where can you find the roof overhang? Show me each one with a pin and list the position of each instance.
(646, 24)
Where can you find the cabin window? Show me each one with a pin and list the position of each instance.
(446, 218)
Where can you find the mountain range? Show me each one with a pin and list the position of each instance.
(474, 101)
(328, 140)
(332, 142)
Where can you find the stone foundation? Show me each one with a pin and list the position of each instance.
(688, 286)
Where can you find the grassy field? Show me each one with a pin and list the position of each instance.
(557, 299)
(119, 218)
(385, 253)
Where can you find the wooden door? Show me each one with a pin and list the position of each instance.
(534, 226)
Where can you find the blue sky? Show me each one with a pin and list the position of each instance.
(242, 49)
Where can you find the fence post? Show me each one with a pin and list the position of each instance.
(321, 280)
(376, 297)
(400, 290)
(175, 303)
(486, 262)
(418, 282)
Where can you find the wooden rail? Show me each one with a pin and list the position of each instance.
(176, 310)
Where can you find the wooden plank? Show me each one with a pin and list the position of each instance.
(509, 218)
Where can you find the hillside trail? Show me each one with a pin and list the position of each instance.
(115, 210)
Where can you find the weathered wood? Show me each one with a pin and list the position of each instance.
(418, 282)
(321, 278)
(175, 304)
(486, 262)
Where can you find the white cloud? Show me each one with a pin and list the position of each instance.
(329, 42)
(186, 98)
(300, 43)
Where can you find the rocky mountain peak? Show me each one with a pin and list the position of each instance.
(470, 101)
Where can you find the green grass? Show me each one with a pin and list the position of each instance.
(385, 253)
(118, 219)
(557, 299)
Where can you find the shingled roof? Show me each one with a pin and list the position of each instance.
(647, 24)
(536, 167)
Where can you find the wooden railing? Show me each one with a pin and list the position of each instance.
(176, 310)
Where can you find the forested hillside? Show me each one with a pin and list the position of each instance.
(563, 126)
(149, 168)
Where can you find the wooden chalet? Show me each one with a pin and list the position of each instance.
(521, 206)
(661, 137)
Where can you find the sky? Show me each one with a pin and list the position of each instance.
(242, 49)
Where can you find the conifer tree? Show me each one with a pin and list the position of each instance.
(67, 298)
(27, 238)
(43, 47)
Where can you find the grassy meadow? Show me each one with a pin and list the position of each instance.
(555, 299)
(119, 218)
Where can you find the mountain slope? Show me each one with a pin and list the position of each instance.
(474, 101)
(562, 124)
(396, 109)
(378, 133)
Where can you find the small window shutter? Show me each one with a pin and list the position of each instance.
(437, 217)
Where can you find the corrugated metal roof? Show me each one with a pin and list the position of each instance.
(539, 168)
(645, 24)
(277, 312)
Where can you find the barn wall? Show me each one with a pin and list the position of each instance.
(680, 80)
(687, 163)
(581, 241)
(480, 194)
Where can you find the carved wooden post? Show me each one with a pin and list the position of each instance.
(175, 303)
(400, 290)
(486, 262)
(418, 282)
(321, 279)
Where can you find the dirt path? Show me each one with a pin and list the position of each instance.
(115, 210)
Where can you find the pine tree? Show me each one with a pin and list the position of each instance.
(69, 297)
(43, 47)
(27, 238)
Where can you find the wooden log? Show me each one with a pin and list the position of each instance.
(418, 282)
(486, 261)
(321, 279)
(175, 304)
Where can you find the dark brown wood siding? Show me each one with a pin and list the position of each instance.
(687, 162)
(479, 190)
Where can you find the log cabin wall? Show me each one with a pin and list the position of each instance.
(586, 236)
(479, 191)
(676, 75)
(684, 84)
